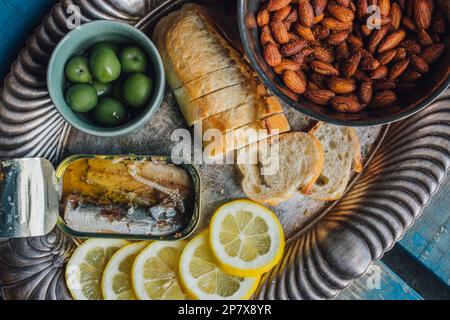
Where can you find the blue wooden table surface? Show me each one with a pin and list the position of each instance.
(428, 241)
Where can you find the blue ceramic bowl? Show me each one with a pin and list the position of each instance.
(84, 38)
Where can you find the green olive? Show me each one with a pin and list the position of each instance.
(110, 112)
(81, 97)
(77, 70)
(133, 59)
(105, 65)
(137, 90)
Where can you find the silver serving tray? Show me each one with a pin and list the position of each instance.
(329, 245)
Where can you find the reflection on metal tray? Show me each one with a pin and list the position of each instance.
(329, 245)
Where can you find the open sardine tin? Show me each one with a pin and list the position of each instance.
(88, 196)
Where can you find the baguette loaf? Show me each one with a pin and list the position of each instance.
(191, 46)
(299, 159)
(342, 155)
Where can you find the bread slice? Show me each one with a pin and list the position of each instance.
(342, 153)
(211, 82)
(299, 160)
(220, 101)
(246, 135)
(243, 115)
(192, 47)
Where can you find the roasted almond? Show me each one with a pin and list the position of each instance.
(320, 32)
(263, 17)
(400, 54)
(411, 75)
(396, 16)
(293, 47)
(369, 63)
(294, 81)
(385, 7)
(286, 65)
(305, 33)
(361, 76)
(411, 46)
(319, 6)
(341, 85)
(336, 25)
(350, 66)
(320, 97)
(275, 5)
(279, 32)
(319, 18)
(337, 37)
(398, 68)
(384, 98)
(384, 84)
(272, 55)
(342, 51)
(302, 56)
(362, 8)
(292, 17)
(266, 36)
(365, 30)
(379, 73)
(324, 68)
(365, 92)
(433, 53)
(346, 104)
(422, 14)
(420, 64)
(387, 56)
(282, 14)
(409, 24)
(392, 41)
(355, 41)
(305, 13)
(376, 38)
(341, 13)
(424, 38)
(323, 54)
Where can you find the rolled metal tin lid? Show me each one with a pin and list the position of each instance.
(29, 198)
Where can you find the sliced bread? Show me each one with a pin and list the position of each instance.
(298, 158)
(210, 83)
(342, 154)
(246, 135)
(243, 115)
(220, 101)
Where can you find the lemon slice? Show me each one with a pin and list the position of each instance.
(155, 272)
(202, 279)
(85, 269)
(116, 281)
(246, 238)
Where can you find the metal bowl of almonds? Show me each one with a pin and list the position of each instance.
(350, 62)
